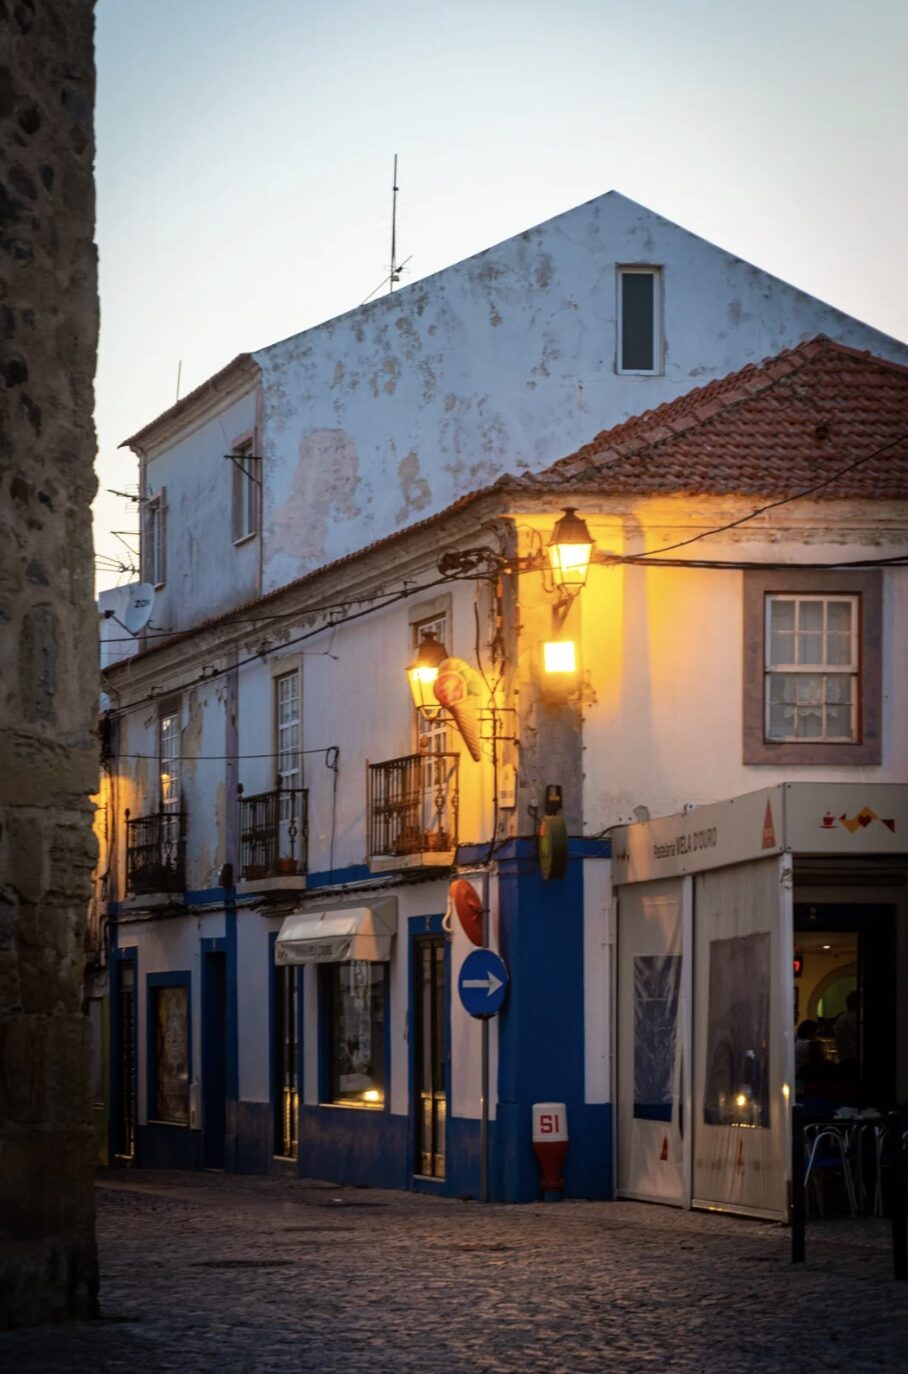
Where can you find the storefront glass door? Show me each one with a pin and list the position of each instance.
(431, 1085)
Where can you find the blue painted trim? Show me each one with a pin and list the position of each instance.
(206, 896)
(417, 926)
(232, 1054)
(181, 979)
(213, 945)
(337, 877)
(272, 1031)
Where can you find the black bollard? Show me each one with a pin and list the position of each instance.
(798, 1200)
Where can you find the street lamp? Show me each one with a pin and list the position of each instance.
(422, 673)
(570, 552)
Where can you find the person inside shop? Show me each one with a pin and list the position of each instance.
(812, 1068)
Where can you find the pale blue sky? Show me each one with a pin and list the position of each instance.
(245, 151)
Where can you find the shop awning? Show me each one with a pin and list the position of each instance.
(338, 934)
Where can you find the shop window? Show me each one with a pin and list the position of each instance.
(354, 1033)
(169, 1047)
(639, 320)
(812, 667)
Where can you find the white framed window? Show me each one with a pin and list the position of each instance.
(155, 540)
(169, 755)
(287, 719)
(245, 468)
(639, 343)
(812, 668)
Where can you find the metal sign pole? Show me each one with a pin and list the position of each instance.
(484, 1119)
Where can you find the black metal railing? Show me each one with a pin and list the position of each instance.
(156, 853)
(412, 805)
(274, 834)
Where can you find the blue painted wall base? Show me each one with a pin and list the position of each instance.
(354, 1147)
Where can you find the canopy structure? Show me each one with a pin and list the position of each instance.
(338, 935)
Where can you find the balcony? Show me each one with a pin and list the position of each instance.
(156, 854)
(274, 838)
(412, 812)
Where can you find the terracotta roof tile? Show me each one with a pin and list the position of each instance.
(772, 429)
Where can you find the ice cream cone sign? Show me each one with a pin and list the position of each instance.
(457, 688)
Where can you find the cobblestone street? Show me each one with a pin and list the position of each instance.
(216, 1272)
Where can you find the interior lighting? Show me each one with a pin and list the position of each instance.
(560, 656)
(372, 1095)
(741, 1100)
(422, 673)
(570, 552)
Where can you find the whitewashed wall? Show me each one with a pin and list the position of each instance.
(503, 362)
(663, 652)
(206, 572)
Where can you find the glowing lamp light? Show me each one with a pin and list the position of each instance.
(559, 656)
(741, 1100)
(372, 1095)
(422, 673)
(570, 551)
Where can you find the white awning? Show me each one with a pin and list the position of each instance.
(338, 935)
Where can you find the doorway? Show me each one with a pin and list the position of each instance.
(846, 986)
(126, 1088)
(214, 1069)
(430, 1085)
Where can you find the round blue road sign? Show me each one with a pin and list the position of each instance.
(483, 983)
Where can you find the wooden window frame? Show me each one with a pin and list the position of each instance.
(867, 745)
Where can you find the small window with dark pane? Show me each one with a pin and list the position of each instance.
(639, 320)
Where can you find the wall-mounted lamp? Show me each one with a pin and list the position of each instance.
(570, 552)
(422, 673)
(559, 656)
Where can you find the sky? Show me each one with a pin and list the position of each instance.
(245, 152)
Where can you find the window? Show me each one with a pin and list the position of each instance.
(289, 759)
(245, 467)
(169, 1047)
(812, 691)
(155, 544)
(811, 667)
(639, 320)
(169, 754)
(356, 1033)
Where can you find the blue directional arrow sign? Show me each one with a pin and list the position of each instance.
(483, 983)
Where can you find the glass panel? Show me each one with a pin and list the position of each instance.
(838, 616)
(838, 722)
(781, 613)
(780, 721)
(809, 723)
(810, 615)
(637, 321)
(810, 648)
(809, 689)
(781, 648)
(358, 1070)
(838, 688)
(838, 648)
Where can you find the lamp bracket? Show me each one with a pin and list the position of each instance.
(494, 720)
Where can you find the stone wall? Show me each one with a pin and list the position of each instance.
(48, 655)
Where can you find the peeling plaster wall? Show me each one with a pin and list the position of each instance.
(503, 362)
(206, 573)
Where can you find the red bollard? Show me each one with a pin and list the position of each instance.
(550, 1146)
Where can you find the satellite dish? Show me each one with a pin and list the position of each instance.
(139, 607)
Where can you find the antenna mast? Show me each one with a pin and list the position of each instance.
(394, 276)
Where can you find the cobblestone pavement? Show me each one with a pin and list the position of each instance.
(215, 1272)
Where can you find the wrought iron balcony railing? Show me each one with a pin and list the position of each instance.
(156, 853)
(412, 805)
(274, 834)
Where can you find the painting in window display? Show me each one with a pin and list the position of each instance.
(657, 979)
(172, 1055)
(358, 1034)
(737, 1044)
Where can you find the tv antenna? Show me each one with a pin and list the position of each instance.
(393, 277)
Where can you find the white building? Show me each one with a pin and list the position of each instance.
(359, 1061)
